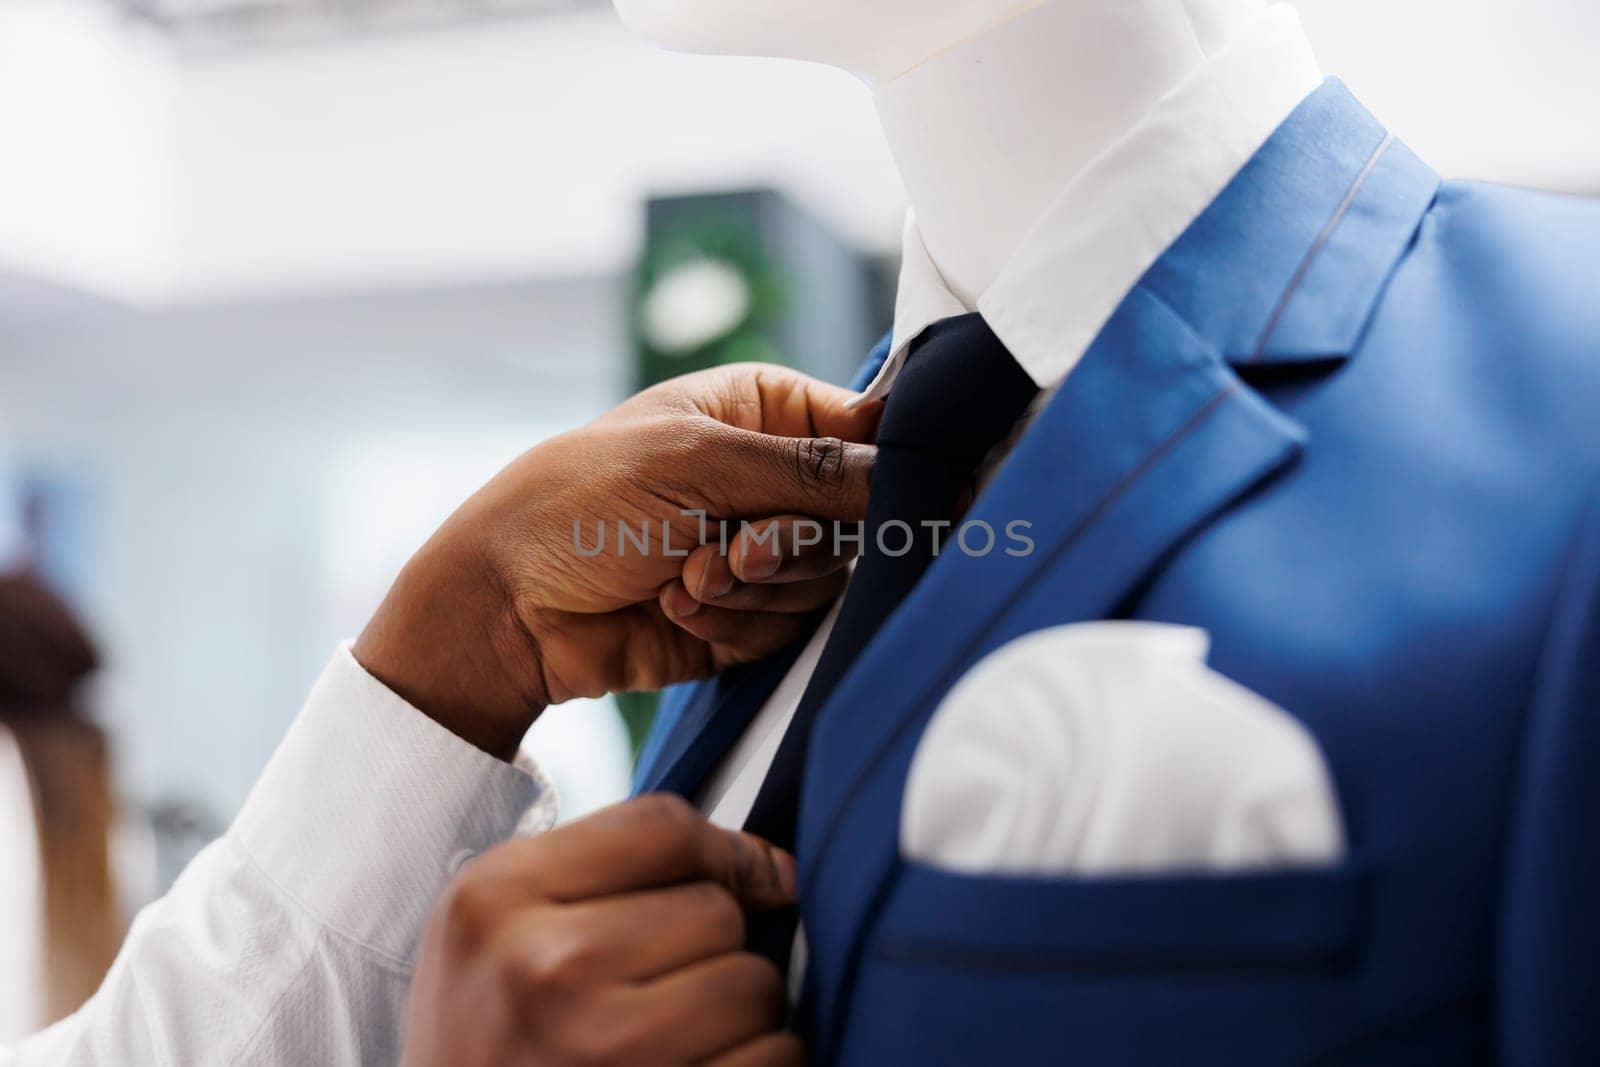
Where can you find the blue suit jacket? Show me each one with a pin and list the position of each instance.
(1349, 424)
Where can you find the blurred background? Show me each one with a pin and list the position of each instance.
(282, 281)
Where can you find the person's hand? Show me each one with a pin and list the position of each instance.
(616, 939)
(510, 608)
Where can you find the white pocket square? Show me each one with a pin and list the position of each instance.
(1110, 748)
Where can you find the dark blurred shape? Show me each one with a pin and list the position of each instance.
(44, 654)
(45, 657)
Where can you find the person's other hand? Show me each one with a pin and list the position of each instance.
(509, 608)
(616, 939)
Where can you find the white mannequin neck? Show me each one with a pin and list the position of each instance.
(987, 131)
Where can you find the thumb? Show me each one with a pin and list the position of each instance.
(760, 875)
(763, 474)
(782, 401)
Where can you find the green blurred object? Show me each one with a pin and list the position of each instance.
(706, 293)
(746, 276)
(638, 714)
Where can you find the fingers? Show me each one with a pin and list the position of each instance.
(647, 842)
(708, 578)
(788, 548)
(737, 635)
(710, 1007)
(780, 442)
(758, 596)
(782, 401)
(769, 1050)
(615, 939)
(759, 440)
(796, 405)
(794, 598)
(632, 936)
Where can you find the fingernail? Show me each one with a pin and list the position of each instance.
(714, 590)
(762, 564)
(681, 604)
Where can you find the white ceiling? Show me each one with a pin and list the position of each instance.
(206, 25)
(520, 148)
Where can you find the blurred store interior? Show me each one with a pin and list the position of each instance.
(282, 281)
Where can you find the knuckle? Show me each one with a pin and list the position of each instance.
(755, 974)
(667, 827)
(665, 812)
(767, 979)
(691, 439)
(597, 1031)
(521, 972)
(626, 1041)
(562, 963)
(753, 984)
(593, 1046)
(471, 910)
(659, 449)
(820, 461)
(721, 913)
(534, 971)
(784, 1050)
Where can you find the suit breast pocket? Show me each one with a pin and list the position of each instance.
(1235, 968)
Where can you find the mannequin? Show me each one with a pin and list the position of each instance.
(990, 107)
(1272, 347)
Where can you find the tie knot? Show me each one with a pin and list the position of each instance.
(958, 395)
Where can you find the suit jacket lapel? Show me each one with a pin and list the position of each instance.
(712, 718)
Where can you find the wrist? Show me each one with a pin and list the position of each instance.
(448, 641)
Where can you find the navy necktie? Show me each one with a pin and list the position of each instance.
(958, 395)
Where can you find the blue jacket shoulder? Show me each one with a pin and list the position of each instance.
(1513, 277)
(1530, 260)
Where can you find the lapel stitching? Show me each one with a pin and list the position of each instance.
(1316, 248)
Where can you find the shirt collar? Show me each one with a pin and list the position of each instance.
(1116, 217)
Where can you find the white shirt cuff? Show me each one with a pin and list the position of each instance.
(368, 808)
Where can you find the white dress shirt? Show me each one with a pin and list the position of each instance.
(1058, 289)
(290, 940)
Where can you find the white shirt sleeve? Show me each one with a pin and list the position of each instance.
(290, 939)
